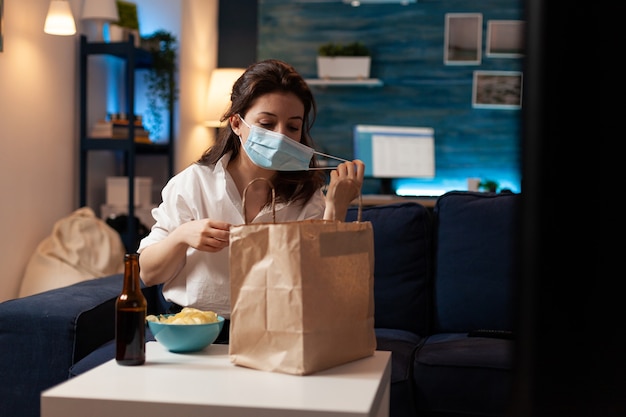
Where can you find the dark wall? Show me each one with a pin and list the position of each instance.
(237, 33)
(407, 44)
(419, 90)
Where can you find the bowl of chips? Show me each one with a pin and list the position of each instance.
(190, 330)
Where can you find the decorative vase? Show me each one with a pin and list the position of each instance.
(344, 67)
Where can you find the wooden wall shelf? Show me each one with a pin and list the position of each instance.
(369, 82)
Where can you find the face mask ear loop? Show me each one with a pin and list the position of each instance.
(330, 156)
(243, 121)
(327, 156)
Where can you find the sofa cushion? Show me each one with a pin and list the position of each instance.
(475, 239)
(402, 264)
(460, 375)
(402, 345)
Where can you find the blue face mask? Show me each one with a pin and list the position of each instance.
(275, 151)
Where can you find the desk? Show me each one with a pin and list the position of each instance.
(207, 383)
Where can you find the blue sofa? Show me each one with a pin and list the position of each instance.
(444, 296)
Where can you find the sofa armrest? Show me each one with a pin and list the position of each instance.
(96, 326)
(43, 335)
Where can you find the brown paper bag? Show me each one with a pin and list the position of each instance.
(302, 295)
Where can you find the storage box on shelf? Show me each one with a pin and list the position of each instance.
(117, 191)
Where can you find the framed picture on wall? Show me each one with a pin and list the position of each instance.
(463, 38)
(497, 90)
(505, 38)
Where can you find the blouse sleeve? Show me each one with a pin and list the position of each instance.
(171, 213)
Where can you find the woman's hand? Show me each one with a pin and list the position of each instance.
(345, 185)
(162, 260)
(205, 235)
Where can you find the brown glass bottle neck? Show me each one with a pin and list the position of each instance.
(131, 273)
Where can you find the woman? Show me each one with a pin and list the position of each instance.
(185, 249)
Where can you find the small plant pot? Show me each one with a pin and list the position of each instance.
(120, 34)
(116, 33)
(343, 67)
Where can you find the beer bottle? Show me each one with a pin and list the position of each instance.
(130, 316)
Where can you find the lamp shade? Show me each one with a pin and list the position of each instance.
(59, 20)
(218, 98)
(100, 10)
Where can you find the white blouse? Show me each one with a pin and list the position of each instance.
(200, 192)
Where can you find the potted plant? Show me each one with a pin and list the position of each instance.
(128, 23)
(335, 60)
(160, 79)
(489, 186)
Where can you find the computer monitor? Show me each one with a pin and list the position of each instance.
(392, 152)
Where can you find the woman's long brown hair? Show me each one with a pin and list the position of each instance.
(261, 78)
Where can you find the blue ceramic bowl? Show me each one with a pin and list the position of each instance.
(186, 337)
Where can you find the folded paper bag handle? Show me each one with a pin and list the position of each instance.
(245, 191)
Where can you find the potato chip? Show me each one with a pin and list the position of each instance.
(188, 315)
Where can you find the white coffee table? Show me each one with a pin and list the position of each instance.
(207, 384)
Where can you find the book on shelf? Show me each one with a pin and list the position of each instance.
(102, 129)
(119, 130)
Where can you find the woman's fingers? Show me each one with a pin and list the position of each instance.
(353, 171)
(206, 234)
(216, 235)
(346, 180)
